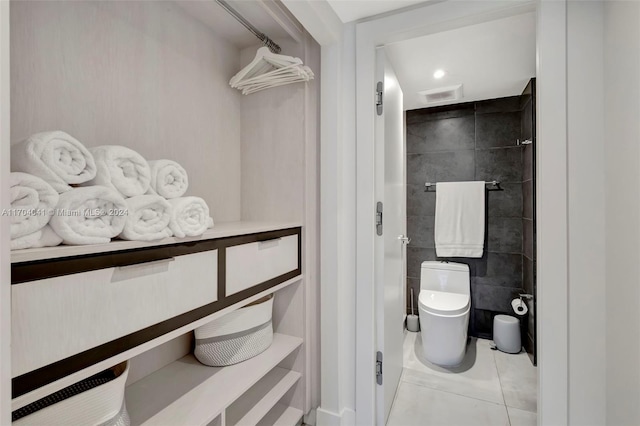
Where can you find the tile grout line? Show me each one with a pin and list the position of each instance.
(495, 362)
(454, 393)
(404, 373)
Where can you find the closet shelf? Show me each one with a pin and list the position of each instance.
(282, 415)
(261, 398)
(187, 392)
(220, 230)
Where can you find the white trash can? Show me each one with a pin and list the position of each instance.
(506, 334)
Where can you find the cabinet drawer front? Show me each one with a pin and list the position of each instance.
(254, 263)
(55, 318)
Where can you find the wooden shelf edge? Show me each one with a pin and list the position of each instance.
(186, 392)
(220, 230)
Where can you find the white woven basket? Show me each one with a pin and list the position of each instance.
(237, 336)
(102, 405)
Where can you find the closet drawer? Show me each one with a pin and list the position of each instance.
(55, 318)
(254, 263)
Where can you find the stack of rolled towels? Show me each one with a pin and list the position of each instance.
(62, 192)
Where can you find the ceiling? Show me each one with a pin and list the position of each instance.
(352, 10)
(491, 60)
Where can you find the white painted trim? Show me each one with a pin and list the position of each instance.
(346, 417)
(327, 418)
(430, 19)
(5, 259)
(552, 232)
(587, 393)
(405, 25)
(311, 236)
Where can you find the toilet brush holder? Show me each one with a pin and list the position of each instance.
(413, 322)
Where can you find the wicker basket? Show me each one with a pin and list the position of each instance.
(237, 336)
(96, 401)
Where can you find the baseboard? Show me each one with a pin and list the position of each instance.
(329, 418)
(348, 417)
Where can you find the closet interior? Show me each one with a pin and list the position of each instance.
(155, 77)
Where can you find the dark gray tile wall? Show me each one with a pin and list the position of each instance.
(473, 141)
(528, 215)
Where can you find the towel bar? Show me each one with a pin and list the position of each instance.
(495, 185)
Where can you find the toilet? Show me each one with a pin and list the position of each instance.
(444, 304)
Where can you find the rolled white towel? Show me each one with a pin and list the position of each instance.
(148, 219)
(168, 178)
(32, 201)
(56, 157)
(89, 215)
(189, 216)
(122, 169)
(44, 237)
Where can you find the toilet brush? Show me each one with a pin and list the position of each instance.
(413, 324)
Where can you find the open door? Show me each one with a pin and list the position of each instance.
(390, 264)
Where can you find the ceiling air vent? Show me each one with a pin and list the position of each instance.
(443, 94)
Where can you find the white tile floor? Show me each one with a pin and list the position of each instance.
(490, 388)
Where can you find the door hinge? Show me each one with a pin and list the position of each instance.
(379, 367)
(379, 218)
(379, 91)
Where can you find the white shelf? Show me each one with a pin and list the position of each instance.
(281, 415)
(254, 404)
(220, 230)
(187, 392)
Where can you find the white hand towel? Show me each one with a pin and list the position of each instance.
(459, 226)
(32, 201)
(89, 215)
(189, 216)
(56, 157)
(122, 169)
(148, 218)
(168, 178)
(44, 237)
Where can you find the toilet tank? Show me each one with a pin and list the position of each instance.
(448, 277)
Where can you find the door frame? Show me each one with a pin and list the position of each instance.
(348, 397)
(551, 185)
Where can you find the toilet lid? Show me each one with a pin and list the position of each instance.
(442, 303)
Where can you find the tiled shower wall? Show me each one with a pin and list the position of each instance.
(472, 141)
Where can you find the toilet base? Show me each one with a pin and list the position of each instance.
(444, 339)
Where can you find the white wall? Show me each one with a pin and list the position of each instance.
(585, 203)
(141, 74)
(273, 144)
(5, 267)
(622, 137)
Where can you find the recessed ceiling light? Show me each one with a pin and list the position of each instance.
(439, 74)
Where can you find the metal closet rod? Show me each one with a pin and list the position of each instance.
(272, 45)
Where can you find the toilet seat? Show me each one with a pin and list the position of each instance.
(443, 303)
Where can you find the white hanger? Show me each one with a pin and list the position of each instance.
(269, 69)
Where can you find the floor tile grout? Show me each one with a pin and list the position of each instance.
(450, 393)
(495, 363)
